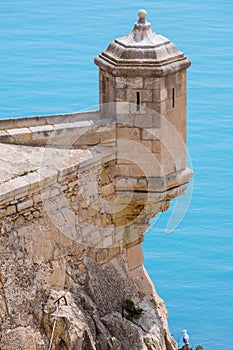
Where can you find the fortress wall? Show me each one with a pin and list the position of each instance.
(72, 224)
(67, 231)
(72, 134)
(26, 122)
(23, 198)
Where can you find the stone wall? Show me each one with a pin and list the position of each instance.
(71, 227)
(75, 202)
(27, 122)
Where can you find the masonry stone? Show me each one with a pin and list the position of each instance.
(135, 257)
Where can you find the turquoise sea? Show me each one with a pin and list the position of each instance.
(46, 67)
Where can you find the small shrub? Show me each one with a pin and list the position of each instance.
(132, 312)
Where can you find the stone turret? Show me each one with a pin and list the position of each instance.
(143, 68)
(142, 80)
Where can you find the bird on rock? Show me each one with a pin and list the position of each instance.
(185, 337)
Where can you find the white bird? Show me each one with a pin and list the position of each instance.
(185, 337)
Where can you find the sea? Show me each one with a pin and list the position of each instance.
(46, 67)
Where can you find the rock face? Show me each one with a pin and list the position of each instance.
(32, 278)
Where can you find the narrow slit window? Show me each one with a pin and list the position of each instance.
(173, 97)
(138, 101)
(105, 90)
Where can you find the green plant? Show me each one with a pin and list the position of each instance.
(26, 172)
(132, 312)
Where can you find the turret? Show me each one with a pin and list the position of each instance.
(142, 83)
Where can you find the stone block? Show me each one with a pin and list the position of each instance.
(136, 171)
(130, 156)
(160, 95)
(122, 107)
(33, 179)
(37, 198)
(109, 136)
(144, 170)
(43, 131)
(167, 161)
(128, 133)
(122, 170)
(122, 161)
(152, 83)
(92, 189)
(125, 184)
(9, 190)
(146, 95)
(125, 119)
(87, 139)
(133, 108)
(120, 95)
(25, 204)
(120, 82)
(142, 146)
(180, 101)
(113, 252)
(101, 256)
(20, 194)
(23, 135)
(154, 107)
(142, 184)
(150, 134)
(181, 77)
(124, 144)
(143, 121)
(10, 210)
(2, 213)
(107, 190)
(4, 136)
(131, 95)
(108, 242)
(134, 83)
(180, 89)
(170, 80)
(84, 124)
(48, 176)
(156, 146)
(64, 126)
(135, 257)
(157, 183)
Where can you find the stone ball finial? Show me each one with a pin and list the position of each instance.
(142, 16)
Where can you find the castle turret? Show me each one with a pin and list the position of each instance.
(142, 83)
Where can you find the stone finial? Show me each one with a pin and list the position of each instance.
(142, 16)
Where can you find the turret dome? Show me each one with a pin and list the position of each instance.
(143, 49)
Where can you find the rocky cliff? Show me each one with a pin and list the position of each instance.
(67, 232)
(39, 265)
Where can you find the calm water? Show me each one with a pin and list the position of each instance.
(46, 67)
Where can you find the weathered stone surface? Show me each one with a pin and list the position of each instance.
(94, 293)
(22, 338)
